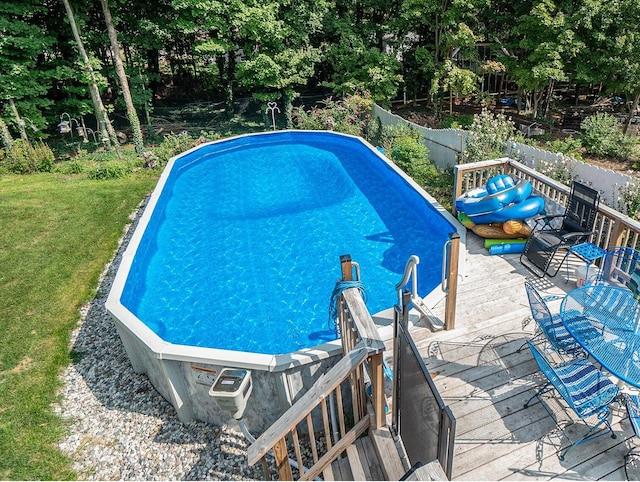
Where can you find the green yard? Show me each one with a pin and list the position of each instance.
(57, 233)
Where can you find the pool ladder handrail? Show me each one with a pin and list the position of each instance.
(411, 272)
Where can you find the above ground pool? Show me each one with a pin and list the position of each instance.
(239, 247)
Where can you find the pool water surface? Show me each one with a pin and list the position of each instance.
(242, 249)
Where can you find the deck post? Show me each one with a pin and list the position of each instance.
(347, 267)
(377, 389)
(452, 282)
(457, 186)
(617, 236)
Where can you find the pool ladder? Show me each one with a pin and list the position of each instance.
(411, 271)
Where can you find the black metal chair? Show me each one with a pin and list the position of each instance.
(576, 227)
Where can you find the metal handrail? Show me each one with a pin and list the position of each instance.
(410, 270)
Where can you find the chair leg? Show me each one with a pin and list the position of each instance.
(590, 435)
(545, 388)
(534, 270)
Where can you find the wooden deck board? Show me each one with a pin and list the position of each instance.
(485, 381)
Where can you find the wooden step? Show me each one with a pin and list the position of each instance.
(361, 463)
(387, 453)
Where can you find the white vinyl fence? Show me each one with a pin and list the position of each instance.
(446, 145)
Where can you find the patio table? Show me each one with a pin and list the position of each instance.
(611, 316)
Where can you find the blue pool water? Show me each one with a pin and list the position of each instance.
(242, 249)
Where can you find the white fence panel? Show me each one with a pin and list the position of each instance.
(444, 145)
(604, 180)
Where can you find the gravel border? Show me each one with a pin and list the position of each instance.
(120, 427)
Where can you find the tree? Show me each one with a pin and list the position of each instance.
(216, 24)
(107, 133)
(24, 72)
(122, 77)
(280, 57)
(615, 51)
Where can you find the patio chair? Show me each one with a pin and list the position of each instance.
(632, 458)
(586, 390)
(621, 267)
(576, 227)
(551, 326)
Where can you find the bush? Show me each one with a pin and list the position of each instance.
(172, 145)
(488, 136)
(629, 199)
(110, 170)
(23, 158)
(406, 148)
(602, 136)
(349, 116)
(461, 121)
(569, 146)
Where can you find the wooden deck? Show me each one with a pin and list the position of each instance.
(485, 380)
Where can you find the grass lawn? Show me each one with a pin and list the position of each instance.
(57, 233)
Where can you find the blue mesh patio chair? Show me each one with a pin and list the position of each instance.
(621, 267)
(576, 227)
(586, 390)
(632, 458)
(551, 326)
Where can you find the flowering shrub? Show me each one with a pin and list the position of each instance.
(629, 199)
(349, 116)
(560, 169)
(487, 137)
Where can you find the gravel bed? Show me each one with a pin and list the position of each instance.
(120, 427)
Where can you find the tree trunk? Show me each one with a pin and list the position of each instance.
(19, 121)
(122, 77)
(549, 95)
(7, 140)
(107, 133)
(632, 112)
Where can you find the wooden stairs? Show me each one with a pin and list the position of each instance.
(371, 457)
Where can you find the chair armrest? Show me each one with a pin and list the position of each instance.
(545, 219)
(577, 234)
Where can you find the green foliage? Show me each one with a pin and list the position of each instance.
(24, 158)
(569, 146)
(561, 169)
(601, 135)
(460, 121)
(405, 146)
(629, 199)
(172, 145)
(111, 170)
(488, 136)
(349, 116)
(358, 67)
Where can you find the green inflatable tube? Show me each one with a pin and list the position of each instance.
(492, 242)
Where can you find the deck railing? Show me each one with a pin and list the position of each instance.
(613, 228)
(363, 349)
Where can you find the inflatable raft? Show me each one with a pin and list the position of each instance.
(501, 200)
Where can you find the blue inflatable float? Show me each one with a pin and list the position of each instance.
(501, 200)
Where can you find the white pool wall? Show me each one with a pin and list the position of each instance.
(184, 374)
